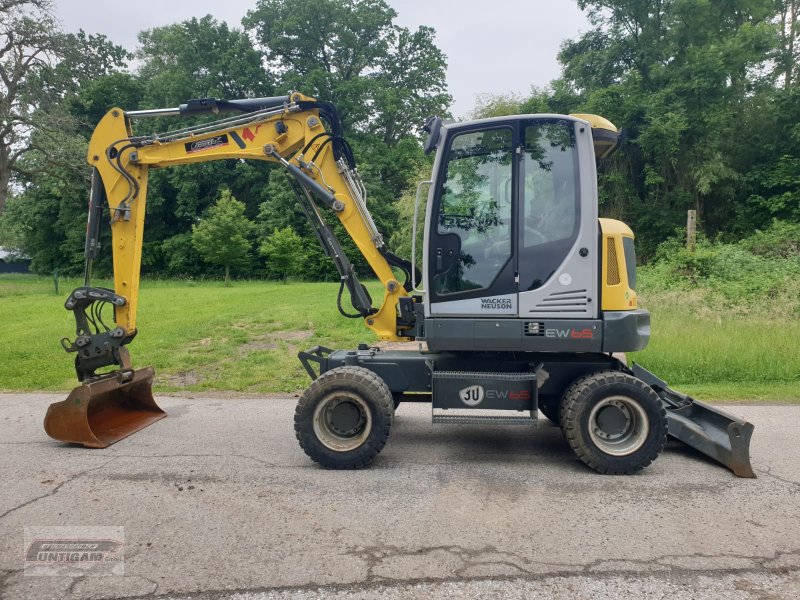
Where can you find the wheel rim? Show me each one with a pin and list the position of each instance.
(342, 421)
(618, 425)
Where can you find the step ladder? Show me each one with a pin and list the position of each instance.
(469, 417)
(485, 397)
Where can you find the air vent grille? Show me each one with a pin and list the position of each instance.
(612, 275)
(573, 301)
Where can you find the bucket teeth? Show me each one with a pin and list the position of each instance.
(102, 412)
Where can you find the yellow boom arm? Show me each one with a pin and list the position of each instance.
(292, 134)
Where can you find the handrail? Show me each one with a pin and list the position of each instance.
(414, 234)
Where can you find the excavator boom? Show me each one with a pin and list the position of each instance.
(295, 131)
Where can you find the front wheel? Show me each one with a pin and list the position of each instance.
(342, 420)
(614, 422)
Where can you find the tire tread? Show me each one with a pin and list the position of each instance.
(569, 414)
(351, 376)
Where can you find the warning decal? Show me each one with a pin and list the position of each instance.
(207, 144)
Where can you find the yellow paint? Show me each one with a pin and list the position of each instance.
(301, 128)
(618, 296)
(596, 121)
(605, 136)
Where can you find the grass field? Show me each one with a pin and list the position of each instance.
(203, 336)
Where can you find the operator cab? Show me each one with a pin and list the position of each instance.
(511, 223)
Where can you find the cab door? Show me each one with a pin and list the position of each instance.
(471, 223)
(557, 212)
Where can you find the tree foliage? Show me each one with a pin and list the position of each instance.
(222, 237)
(708, 92)
(706, 101)
(284, 252)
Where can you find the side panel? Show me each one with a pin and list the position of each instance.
(618, 266)
(571, 290)
(491, 335)
(505, 304)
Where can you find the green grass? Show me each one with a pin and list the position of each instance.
(202, 336)
(722, 356)
(198, 336)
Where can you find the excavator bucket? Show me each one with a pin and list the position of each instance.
(714, 432)
(102, 412)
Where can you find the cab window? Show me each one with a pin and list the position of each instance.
(476, 206)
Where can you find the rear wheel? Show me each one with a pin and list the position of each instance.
(342, 420)
(614, 422)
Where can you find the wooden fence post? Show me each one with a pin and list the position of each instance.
(691, 230)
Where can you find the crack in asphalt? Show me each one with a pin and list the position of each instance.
(576, 571)
(768, 472)
(71, 587)
(375, 555)
(55, 490)
(243, 456)
(380, 553)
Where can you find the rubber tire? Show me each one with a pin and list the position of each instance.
(550, 408)
(372, 389)
(576, 406)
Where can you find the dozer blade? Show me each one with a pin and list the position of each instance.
(713, 432)
(102, 412)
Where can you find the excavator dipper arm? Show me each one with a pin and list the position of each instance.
(298, 132)
(287, 130)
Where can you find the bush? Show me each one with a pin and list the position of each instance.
(760, 273)
(780, 240)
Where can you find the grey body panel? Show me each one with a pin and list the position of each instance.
(485, 390)
(615, 331)
(518, 335)
(505, 304)
(570, 292)
(625, 331)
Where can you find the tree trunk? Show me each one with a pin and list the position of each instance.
(227, 275)
(5, 177)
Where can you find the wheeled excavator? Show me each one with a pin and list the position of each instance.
(524, 298)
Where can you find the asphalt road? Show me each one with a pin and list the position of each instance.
(219, 501)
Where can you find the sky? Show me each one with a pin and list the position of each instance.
(499, 47)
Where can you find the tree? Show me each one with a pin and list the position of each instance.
(66, 91)
(199, 58)
(29, 40)
(222, 237)
(384, 79)
(684, 78)
(787, 54)
(196, 58)
(283, 251)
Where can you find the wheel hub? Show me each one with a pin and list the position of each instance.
(342, 421)
(618, 425)
(612, 420)
(344, 418)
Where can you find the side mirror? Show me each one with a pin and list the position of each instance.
(433, 127)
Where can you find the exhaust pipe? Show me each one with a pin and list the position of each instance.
(714, 432)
